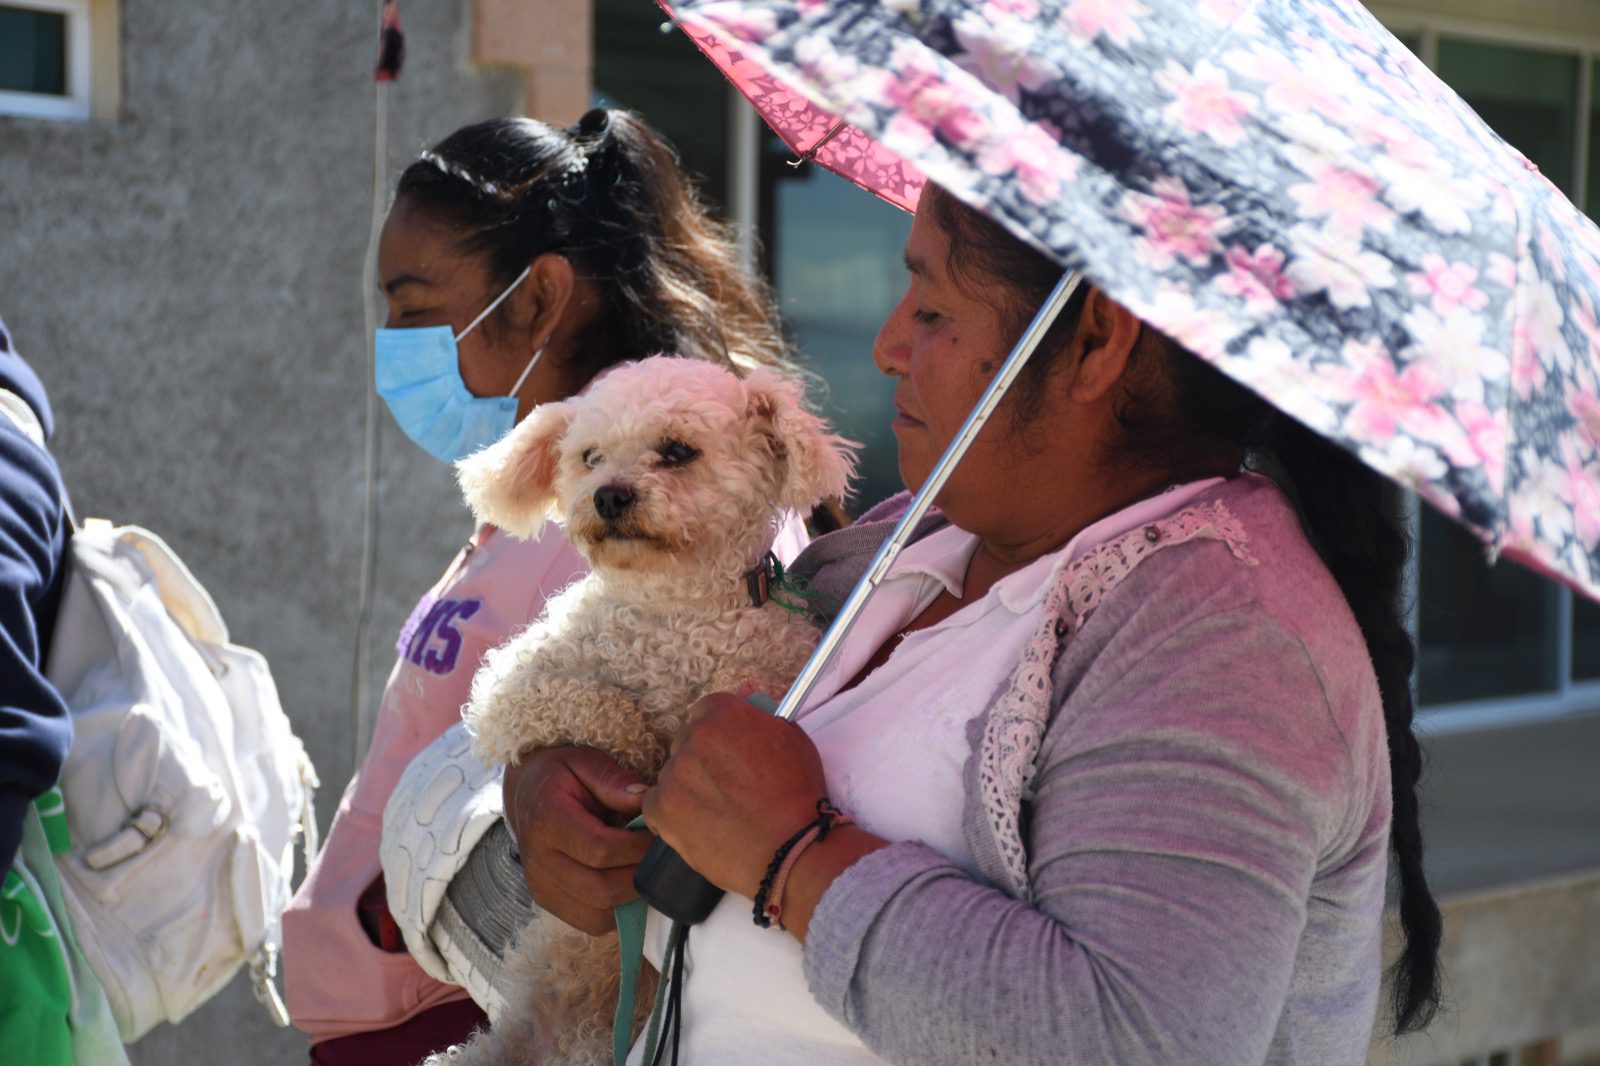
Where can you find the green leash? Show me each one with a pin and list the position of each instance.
(630, 936)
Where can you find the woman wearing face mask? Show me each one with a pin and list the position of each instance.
(519, 261)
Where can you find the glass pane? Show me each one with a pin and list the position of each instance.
(33, 51)
(1413, 41)
(1527, 96)
(836, 255)
(1585, 639)
(1591, 203)
(666, 80)
(1484, 631)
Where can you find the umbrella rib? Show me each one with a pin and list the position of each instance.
(811, 153)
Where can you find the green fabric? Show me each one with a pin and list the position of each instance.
(53, 1011)
(35, 991)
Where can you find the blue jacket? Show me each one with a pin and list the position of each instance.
(35, 731)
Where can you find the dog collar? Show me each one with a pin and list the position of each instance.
(758, 580)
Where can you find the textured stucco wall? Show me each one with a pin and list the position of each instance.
(186, 279)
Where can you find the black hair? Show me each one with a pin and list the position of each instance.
(608, 193)
(1193, 419)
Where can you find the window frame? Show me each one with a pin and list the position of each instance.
(77, 102)
(1569, 697)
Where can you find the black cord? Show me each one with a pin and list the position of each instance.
(672, 1012)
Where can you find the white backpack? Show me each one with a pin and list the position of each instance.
(185, 786)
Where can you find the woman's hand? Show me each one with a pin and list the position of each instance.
(739, 783)
(564, 806)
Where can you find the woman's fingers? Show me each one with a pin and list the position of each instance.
(560, 804)
(582, 897)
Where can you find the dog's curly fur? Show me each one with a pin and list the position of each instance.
(705, 465)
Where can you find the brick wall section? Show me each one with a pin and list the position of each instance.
(550, 41)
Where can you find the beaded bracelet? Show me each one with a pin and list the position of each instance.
(769, 897)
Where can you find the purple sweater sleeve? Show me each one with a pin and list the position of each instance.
(1187, 791)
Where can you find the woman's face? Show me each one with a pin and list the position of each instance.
(943, 343)
(428, 280)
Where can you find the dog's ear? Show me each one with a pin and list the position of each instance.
(813, 464)
(512, 483)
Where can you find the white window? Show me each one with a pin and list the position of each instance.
(1500, 644)
(45, 68)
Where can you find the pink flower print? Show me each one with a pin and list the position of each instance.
(1501, 271)
(1449, 285)
(1550, 248)
(1413, 464)
(1585, 407)
(1256, 278)
(1486, 437)
(1583, 489)
(1204, 103)
(926, 104)
(1453, 349)
(1198, 329)
(1173, 226)
(1385, 400)
(1239, 15)
(1039, 163)
(1346, 199)
(1537, 345)
(738, 20)
(996, 53)
(1288, 90)
(1337, 263)
(1022, 9)
(1427, 185)
(1116, 19)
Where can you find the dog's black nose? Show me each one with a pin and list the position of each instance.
(612, 501)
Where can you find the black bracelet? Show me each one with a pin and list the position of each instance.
(827, 814)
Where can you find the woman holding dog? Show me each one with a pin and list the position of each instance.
(519, 261)
(1120, 741)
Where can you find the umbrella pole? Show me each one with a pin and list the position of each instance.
(846, 618)
(668, 883)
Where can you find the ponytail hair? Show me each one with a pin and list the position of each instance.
(1197, 421)
(609, 194)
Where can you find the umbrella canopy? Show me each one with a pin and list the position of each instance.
(1279, 185)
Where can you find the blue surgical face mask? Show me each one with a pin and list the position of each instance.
(419, 376)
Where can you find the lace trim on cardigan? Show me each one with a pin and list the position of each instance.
(1016, 725)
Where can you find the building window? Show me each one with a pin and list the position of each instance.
(44, 58)
(1498, 643)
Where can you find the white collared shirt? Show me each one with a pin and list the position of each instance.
(894, 750)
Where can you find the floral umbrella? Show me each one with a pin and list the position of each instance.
(1278, 184)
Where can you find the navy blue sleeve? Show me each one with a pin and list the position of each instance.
(35, 731)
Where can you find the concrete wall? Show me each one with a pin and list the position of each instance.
(186, 279)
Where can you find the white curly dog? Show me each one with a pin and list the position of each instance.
(671, 477)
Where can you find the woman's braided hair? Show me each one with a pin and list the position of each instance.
(608, 193)
(1202, 422)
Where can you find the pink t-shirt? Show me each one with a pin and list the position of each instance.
(337, 981)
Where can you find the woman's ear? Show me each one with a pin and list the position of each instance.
(551, 284)
(812, 464)
(1108, 332)
(512, 483)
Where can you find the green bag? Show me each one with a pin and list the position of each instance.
(52, 1009)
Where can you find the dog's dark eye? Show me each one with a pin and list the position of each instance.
(676, 453)
(592, 458)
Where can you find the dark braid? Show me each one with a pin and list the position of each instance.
(1192, 420)
(1354, 515)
